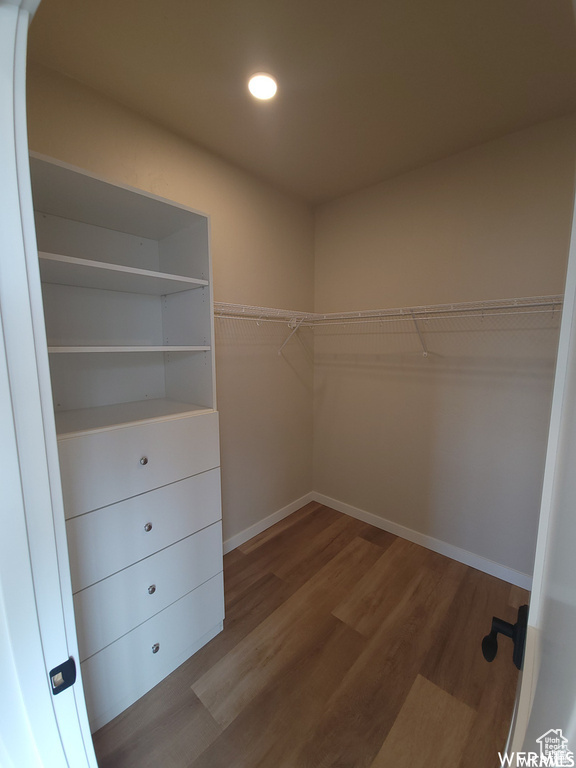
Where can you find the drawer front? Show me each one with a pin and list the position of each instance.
(109, 539)
(111, 608)
(105, 467)
(121, 673)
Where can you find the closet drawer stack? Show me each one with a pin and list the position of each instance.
(148, 561)
(128, 308)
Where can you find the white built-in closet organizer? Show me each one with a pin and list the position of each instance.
(127, 293)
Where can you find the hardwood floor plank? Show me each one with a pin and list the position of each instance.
(377, 594)
(494, 711)
(283, 528)
(230, 558)
(168, 727)
(242, 618)
(362, 711)
(518, 597)
(490, 731)
(455, 662)
(303, 561)
(378, 536)
(254, 663)
(235, 680)
(430, 731)
(268, 732)
(270, 555)
(240, 579)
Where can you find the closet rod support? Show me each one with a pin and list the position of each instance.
(422, 342)
(294, 329)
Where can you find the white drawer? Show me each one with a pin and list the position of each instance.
(111, 608)
(102, 468)
(124, 671)
(109, 539)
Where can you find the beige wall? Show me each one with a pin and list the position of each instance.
(262, 247)
(487, 223)
(451, 446)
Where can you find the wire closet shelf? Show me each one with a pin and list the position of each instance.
(295, 319)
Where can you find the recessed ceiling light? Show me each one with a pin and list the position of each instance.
(262, 86)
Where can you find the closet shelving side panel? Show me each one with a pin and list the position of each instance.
(185, 250)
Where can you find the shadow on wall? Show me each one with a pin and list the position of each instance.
(451, 445)
(253, 336)
(266, 418)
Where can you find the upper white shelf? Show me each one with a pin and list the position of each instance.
(84, 273)
(86, 348)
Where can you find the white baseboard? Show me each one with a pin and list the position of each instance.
(443, 548)
(262, 525)
(436, 545)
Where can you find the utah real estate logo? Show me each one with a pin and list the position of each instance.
(554, 753)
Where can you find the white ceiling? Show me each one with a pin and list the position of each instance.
(367, 89)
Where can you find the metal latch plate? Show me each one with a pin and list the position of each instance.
(63, 676)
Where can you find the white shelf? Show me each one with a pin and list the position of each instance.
(105, 417)
(134, 348)
(85, 273)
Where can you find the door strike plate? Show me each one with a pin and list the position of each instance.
(63, 677)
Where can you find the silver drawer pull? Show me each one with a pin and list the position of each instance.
(151, 589)
(148, 527)
(144, 460)
(155, 647)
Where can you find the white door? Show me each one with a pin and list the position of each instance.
(547, 698)
(37, 633)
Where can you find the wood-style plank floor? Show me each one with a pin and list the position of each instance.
(343, 646)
